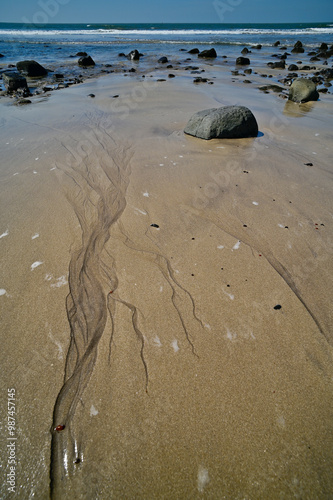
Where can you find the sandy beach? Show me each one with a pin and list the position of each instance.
(166, 301)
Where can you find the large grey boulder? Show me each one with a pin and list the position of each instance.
(31, 68)
(303, 90)
(14, 81)
(228, 122)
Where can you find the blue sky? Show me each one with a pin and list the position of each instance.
(153, 11)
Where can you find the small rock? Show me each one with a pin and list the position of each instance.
(199, 79)
(86, 61)
(298, 48)
(14, 81)
(303, 90)
(277, 65)
(208, 54)
(22, 102)
(81, 54)
(134, 55)
(163, 60)
(242, 61)
(194, 51)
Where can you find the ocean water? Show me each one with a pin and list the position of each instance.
(55, 45)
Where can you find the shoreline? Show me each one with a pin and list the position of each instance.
(200, 385)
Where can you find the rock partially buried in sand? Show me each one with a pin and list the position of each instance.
(303, 90)
(230, 122)
(31, 68)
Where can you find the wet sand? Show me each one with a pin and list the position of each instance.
(161, 350)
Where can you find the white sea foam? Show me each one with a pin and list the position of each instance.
(236, 246)
(231, 335)
(157, 342)
(61, 281)
(36, 264)
(3, 291)
(203, 478)
(35, 236)
(255, 203)
(6, 233)
(142, 212)
(93, 411)
(175, 345)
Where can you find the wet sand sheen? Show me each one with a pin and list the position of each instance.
(184, 382)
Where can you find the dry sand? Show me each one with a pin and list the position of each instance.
(185, 381)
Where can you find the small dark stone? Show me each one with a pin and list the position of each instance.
(277, 307)
(199, 79)
(1, 55)
(208, 54)
(155, 225)
(277, 65)
(194, 51)
(298, 48)
(292, 67)
(134, 55)
(86, 61)
(91, 95)
(171, 75)
(81, 54)
(276, 44)
(242, 61)
(245, 50)
(163, 60)
(22, 102)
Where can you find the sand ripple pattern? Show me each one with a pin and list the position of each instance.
(96, 185)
